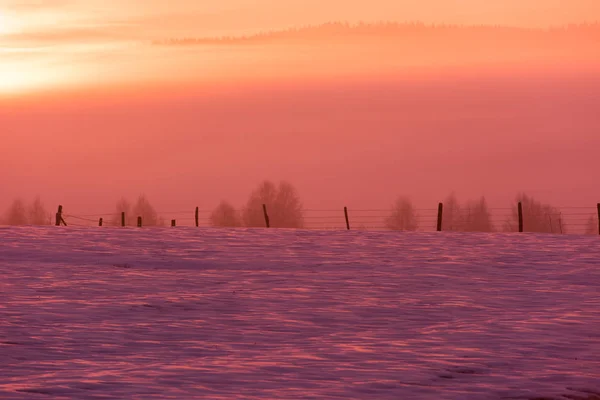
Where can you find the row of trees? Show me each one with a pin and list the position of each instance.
(286, 211)
(475, 216)
(141, 208)
(394, 30)
(23, 213)
(284, 208)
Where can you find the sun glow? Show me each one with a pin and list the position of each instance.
(7, 24)
(24, 77)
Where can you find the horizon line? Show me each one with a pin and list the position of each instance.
(373, 26)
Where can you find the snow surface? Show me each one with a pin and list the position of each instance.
(188, 313)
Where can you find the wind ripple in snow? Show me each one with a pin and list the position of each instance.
(278, 314)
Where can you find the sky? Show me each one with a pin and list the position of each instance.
(91, 109)
(65, 43)
(154, 16)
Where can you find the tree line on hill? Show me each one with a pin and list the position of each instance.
(285, 210)
(414, 30)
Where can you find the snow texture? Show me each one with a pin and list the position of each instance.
(281, 314)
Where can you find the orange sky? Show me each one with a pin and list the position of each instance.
(194, 120)
(155, 16)
(59, 43)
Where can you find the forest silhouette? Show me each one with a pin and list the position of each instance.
(413, 31)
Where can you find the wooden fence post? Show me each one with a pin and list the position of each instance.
(598, 218)
(139, 222)
(197, 216)
(173, 223)
(520, 208)
(267, 222)
(58, 216)
(100, 222)
(59, 219)
(347, 219)
(439, 217)
(123, 219)
(560, 223)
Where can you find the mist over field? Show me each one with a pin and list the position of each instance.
(351, 114)
(356, 144)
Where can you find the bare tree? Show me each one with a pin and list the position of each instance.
(144, 209)
(403, 217)
(537, 217)
(252, 214)
(592, 226)
(476, 217)
(283, 203)
(452, 219)
(122, 206)
(141, 208)
(287, 211)
(16, 214)
(225, 216)
(37, 213)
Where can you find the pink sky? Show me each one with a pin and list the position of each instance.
(90, 110)
(75, 43)
(156, 16)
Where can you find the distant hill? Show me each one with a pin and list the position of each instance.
(375, 48)
(401, 32)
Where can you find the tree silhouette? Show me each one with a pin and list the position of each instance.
(403, 217)
(142, 208)
(452, 219)
(225, 216)
(16, 215)
(283, 204)
(123, 205)
(537, 217)
(476, 217)
(19, 213)
(37, 213)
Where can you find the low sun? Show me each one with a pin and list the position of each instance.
(6, 25)
(3, 24)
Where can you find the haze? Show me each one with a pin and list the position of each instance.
(100, 99)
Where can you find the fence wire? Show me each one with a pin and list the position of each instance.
(571, 219)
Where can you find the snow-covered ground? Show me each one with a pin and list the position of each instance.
(189, 313)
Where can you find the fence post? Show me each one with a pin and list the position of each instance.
(439, 217)
(197, 215)
(347, 219)
(100, 222)
(598, 218)
(59, 218)
(173, 223)
(139, 222)
(560, 223)
(123, 219)
(520, 207)
(267, 222)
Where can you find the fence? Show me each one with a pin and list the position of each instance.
(562, 220)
